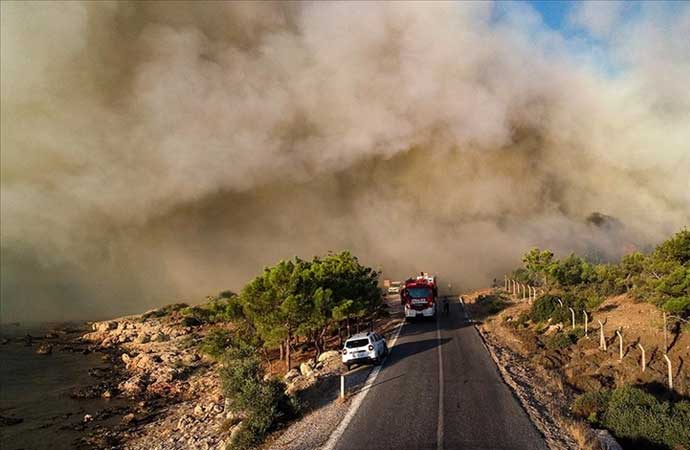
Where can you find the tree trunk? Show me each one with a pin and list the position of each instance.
(348, 327)
(288, 360)
(282, 352)
(268, 359)
(317, 344)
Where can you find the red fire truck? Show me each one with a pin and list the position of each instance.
(419, 296)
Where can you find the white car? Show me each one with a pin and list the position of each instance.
(364, 347)
(395, 287)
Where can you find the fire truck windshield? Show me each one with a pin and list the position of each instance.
(418, 292)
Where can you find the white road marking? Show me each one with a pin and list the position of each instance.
(357, 401)
(439, 425)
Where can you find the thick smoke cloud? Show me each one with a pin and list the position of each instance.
(160, 151)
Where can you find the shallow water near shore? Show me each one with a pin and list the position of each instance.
(36, 388)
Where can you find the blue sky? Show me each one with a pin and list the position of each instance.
(554, 12)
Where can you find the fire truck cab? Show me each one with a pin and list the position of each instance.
(419, 296)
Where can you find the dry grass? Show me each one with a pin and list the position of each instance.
(583, 435)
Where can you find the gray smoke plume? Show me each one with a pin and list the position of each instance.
(161, 151)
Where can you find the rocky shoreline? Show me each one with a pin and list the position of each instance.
(174, 394)
(156, 390)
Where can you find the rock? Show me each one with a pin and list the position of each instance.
(607, 440)
(552, 329)
(328, 355)
(87, 418)
(44, 349)
(292, 374)
(104, 326)
(107, 394)
(147, 362)
(198, 410)
(306, 368)
(184, 421)
(142, 338)
(8, 421)
(128, 418)
(160, 337)
(126, 358)
(134, 385)
(190, 358)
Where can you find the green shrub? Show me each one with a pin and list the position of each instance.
(216, 342)
(559, 340)
(263, 401)
(543, 308)
(191, 321)
(638, 418)
(492, 303)
(592, 405)
(677, 305)
(636, 415)
(164, 310)
(520, 322)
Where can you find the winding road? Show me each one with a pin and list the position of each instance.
(439, 389)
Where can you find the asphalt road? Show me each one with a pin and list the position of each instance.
(418, 403)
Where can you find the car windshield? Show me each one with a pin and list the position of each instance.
(418, 292)
(356, 343)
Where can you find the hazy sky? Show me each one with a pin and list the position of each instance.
(154, 152)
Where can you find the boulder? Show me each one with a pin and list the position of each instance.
(160, 337)
(8, 421)
(143, 338)
(306, 369)
(134, 385)
(44, 349)
(553, 329)
(328, 355)
(104, 326)
(190, 358)
(147, 362)
(292, 374)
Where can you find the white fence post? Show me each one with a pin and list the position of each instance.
(572, 313)
(585, 312)
(524, 292)
(602, 339)
(342, 386)
(620, 345)
(644, 359)
(670, 372)
(560, 302)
